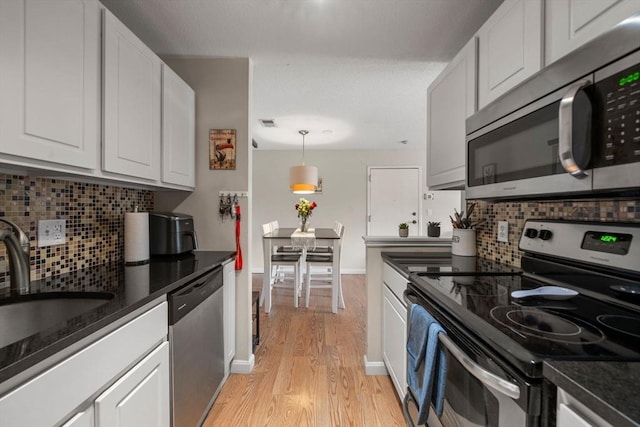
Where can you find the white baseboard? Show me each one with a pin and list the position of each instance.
(243, 366)
(374, 368)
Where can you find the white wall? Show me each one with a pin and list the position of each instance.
(223, 101)
(344, 196)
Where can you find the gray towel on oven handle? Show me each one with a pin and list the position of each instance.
(423, 348)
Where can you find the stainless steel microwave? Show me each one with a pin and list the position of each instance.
(571, 129)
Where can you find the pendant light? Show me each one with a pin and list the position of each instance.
(303, 179)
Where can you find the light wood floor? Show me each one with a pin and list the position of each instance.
(308, 369)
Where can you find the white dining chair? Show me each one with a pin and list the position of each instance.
(320, 272)
(326, 250)
(283, 279)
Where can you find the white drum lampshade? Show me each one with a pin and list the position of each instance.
(303, 179)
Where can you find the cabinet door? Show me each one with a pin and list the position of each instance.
(571, 23)
(49, 80)
(451, 98)
(140, 397)
(131, 98)
(394, 340)
(229, 314)
(509, 48)
(178, 130)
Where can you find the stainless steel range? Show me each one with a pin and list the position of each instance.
(586, 307)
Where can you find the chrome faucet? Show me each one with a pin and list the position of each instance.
(17, 244)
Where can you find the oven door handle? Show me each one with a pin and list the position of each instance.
(485, 377)
(565, 131)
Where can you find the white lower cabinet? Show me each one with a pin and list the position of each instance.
(127, 368)
(394, 328)
(140, 397)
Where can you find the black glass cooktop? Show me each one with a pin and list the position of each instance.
(528, 330)
(453, 265)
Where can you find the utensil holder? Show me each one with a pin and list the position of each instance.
(463, 242)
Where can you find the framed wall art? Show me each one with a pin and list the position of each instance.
(222, 149)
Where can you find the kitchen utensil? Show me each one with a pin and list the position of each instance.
(549, 292)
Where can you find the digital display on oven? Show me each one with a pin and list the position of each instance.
(611, 243)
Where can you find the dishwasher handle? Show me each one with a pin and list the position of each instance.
(189, 296)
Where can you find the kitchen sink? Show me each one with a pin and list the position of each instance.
(25, 315)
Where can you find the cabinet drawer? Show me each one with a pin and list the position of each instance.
(394, 280)
(55, 393)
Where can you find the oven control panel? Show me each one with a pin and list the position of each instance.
(608, 244)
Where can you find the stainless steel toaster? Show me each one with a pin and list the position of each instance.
(171, 233)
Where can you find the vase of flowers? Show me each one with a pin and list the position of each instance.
(464, 233)
(305, 209)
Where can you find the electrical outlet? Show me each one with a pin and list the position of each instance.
(52, 232)
(503, 231)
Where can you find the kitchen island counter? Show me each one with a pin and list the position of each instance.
(606, 388)
(375, 246)
(132, 287)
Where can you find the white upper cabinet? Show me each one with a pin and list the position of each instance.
(571, 23)
(509, 48)
(131, 103)
(178, 130)
(451, 98)
(49, 81)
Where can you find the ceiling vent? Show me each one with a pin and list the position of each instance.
(268, 123)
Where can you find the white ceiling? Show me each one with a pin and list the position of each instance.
(353, 72)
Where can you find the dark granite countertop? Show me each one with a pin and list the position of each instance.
(607, 388)
(132, 287)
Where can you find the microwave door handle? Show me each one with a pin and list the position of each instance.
(485, 377)
(565, 130)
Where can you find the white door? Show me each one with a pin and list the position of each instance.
(394, 198)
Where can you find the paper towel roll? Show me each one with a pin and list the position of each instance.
(136, 237)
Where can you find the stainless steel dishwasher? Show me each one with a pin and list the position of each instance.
(197, 348)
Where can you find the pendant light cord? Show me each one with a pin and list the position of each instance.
(303, 133)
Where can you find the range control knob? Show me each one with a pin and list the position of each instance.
(531, 233)
(545, 234)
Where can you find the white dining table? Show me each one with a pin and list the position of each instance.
(282, 236)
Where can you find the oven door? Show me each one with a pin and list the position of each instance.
(540, 149)
(480, 390)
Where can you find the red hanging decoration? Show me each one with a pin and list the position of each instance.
(238, 248)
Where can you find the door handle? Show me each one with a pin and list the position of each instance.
(565, 131)
(414, 222)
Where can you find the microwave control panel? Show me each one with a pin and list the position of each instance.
(620, 96)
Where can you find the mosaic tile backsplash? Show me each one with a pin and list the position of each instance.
(94, 215)
(517, 212)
